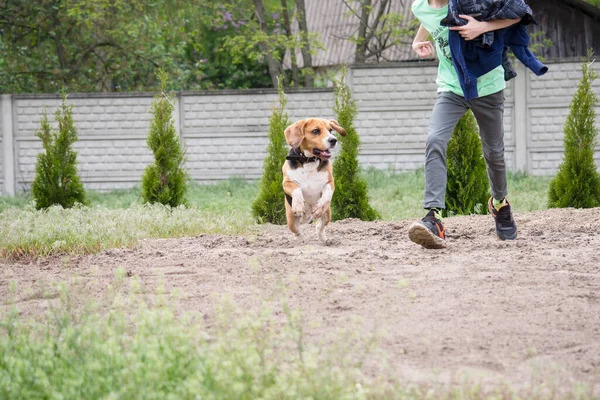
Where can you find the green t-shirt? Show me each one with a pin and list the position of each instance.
(447, 79)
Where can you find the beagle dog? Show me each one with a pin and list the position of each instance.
(307, 173)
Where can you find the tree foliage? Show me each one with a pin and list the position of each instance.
(119, 45)
(350, 198)
(269, 204)
(56, 180)
(265, 36)
(577, 183)
(467, 190)
(165, 180)
(379, 29)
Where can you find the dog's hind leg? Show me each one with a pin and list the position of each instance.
(293, 222)
(294, 225)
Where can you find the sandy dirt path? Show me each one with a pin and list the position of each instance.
(519, 312)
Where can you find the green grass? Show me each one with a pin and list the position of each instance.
(400, 196)
(29, 232)
(135, 350)
(528, 193)
(128, 348)
(117, 219)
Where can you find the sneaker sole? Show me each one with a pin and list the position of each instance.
(419, 234)
(506, 238)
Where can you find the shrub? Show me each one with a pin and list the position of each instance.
(165, 180)
(577, 183)
(56, 180)
(269, 204)
(467, 190)
(350, 198)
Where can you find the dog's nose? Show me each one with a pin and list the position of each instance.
(332, 141)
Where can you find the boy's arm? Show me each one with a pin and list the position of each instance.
(421, 45)
(475, 28)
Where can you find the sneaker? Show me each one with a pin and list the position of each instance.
(429, 232)
(506, 228)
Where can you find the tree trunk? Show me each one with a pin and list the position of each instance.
(288, 32)
(309, 80)
(275, 67)
(380, 45)
(360, 54)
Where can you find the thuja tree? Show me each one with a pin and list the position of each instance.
(577, 183)
(350, 199)
(269, 204)
(165, 180)
(56, 180)
(467, 190)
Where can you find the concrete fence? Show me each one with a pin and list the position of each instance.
(225, 132)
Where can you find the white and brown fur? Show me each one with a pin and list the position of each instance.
(308, 175)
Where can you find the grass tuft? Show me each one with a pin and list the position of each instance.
(117, 219)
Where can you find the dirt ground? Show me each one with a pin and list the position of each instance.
(517, 312)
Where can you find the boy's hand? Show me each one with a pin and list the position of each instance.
(423, 49)
(472, 29)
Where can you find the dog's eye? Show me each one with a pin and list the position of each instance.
(316, 131)
(331, 131)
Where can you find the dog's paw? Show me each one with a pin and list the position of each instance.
(319, 209)
(323, 238)
(298, 207)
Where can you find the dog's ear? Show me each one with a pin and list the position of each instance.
(294, 134)
(336, 126)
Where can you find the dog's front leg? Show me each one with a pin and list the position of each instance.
(323, 203)
(298, 203)
(293, 190)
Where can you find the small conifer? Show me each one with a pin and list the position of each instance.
(467, 190)
(165, 180)
(577, 183)
(269, 204)
(350, 198)
(56, 180)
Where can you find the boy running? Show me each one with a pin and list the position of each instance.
(450, 106)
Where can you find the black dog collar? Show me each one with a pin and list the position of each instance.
(296, 155)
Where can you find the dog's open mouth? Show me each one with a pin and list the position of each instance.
(322, 154)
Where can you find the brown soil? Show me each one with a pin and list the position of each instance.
(515, 312)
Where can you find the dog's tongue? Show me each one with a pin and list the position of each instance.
(322, 153)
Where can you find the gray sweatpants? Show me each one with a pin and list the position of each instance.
(448, 110)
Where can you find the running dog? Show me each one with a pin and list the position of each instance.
(307, 173)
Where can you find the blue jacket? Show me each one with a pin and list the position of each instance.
(474, 58)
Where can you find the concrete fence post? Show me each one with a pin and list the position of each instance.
(522, 162)
(8, 153)
(178, 116)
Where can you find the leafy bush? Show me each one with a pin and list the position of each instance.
(165, 180)
(350, 198)
(467, 190)
(269, 204)
(577, 183)
(56, 180)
